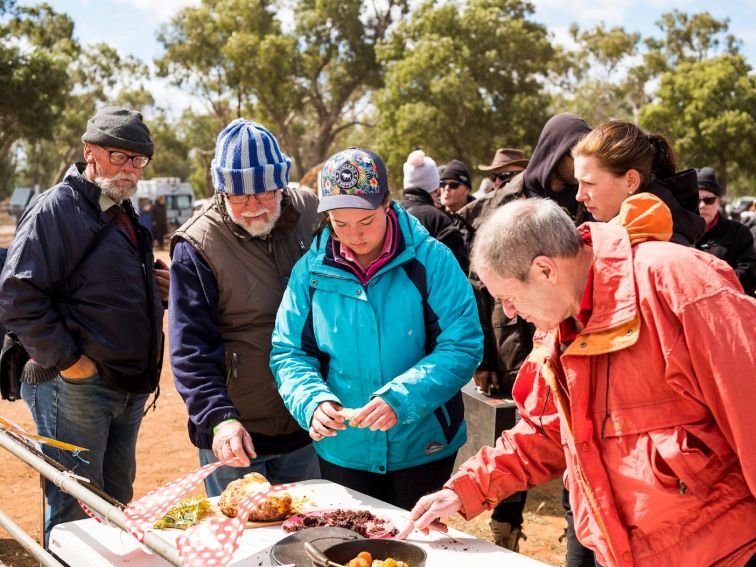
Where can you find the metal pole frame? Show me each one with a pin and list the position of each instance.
(27, 542)
(67, 482)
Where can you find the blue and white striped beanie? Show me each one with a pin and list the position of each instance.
(248, 160)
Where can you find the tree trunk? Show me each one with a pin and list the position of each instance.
(64, 165)
(6, 147)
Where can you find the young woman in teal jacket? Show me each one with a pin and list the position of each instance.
(376, 334)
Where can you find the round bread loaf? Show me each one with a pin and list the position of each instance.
(276, 506)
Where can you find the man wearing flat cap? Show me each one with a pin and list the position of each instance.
(727, 239)
(82, 292)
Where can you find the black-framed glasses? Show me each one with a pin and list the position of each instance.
(117, 157)
(503, 175)
(259, 197)
(450, 184)
(707, 200)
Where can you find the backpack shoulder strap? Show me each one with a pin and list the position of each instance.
(95, 242)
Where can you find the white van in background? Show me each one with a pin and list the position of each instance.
(179, 197)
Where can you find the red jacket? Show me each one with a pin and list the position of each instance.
(648, 411)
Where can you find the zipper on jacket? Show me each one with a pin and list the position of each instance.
(233, 370)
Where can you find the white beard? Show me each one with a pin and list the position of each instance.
(265, 219)
(116, 191)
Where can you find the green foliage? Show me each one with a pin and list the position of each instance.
(708, 108)
(458, 78)
(171, 149)
(198, 133)
(98, 76)
(306, 84)
(688, 38)
(462, 80)
(36, 48)
(598, 81)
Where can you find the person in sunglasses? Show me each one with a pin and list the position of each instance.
(83, 293)
(231, 264)
(618, 160)
(726, 239)
(506, 164)
(421, 180)
(456, 186)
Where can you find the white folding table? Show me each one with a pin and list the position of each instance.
(88, 543)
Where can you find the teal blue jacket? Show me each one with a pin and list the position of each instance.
(411, 335)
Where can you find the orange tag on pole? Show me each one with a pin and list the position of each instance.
(46, 440)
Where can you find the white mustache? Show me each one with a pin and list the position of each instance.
(125, 176)
(254, 214)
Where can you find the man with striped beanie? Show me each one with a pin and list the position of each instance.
(231, 264)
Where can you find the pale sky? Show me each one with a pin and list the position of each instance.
(131, 25)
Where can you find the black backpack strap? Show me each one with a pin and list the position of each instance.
(98, 237)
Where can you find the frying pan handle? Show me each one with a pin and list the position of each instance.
(345, 538)
(318, 557)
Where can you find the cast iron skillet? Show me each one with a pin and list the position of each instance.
(338, 555)
(290, 550)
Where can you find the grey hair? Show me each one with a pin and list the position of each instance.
(518, 232)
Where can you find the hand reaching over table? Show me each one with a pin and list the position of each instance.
(427, 513)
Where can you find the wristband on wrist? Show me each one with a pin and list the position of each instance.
(217, 427)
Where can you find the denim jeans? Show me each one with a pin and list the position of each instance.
(577, 554)
(301, 464)
(91, 414)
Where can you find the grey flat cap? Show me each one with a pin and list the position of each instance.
(121, 128)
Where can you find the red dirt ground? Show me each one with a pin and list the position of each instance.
(165, 456)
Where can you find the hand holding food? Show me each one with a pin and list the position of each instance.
(487, 381)
(327, 421)
(377, 415)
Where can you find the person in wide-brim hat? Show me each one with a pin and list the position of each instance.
(507, 163)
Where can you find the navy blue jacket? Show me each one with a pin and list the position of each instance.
(108, 307)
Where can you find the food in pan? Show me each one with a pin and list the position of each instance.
(276, 506)
(365, 559)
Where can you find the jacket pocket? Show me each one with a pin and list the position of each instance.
(694, 458)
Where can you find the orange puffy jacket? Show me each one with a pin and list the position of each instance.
(648, 410)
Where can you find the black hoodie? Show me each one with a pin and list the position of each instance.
(559, 135)
(680, 193)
